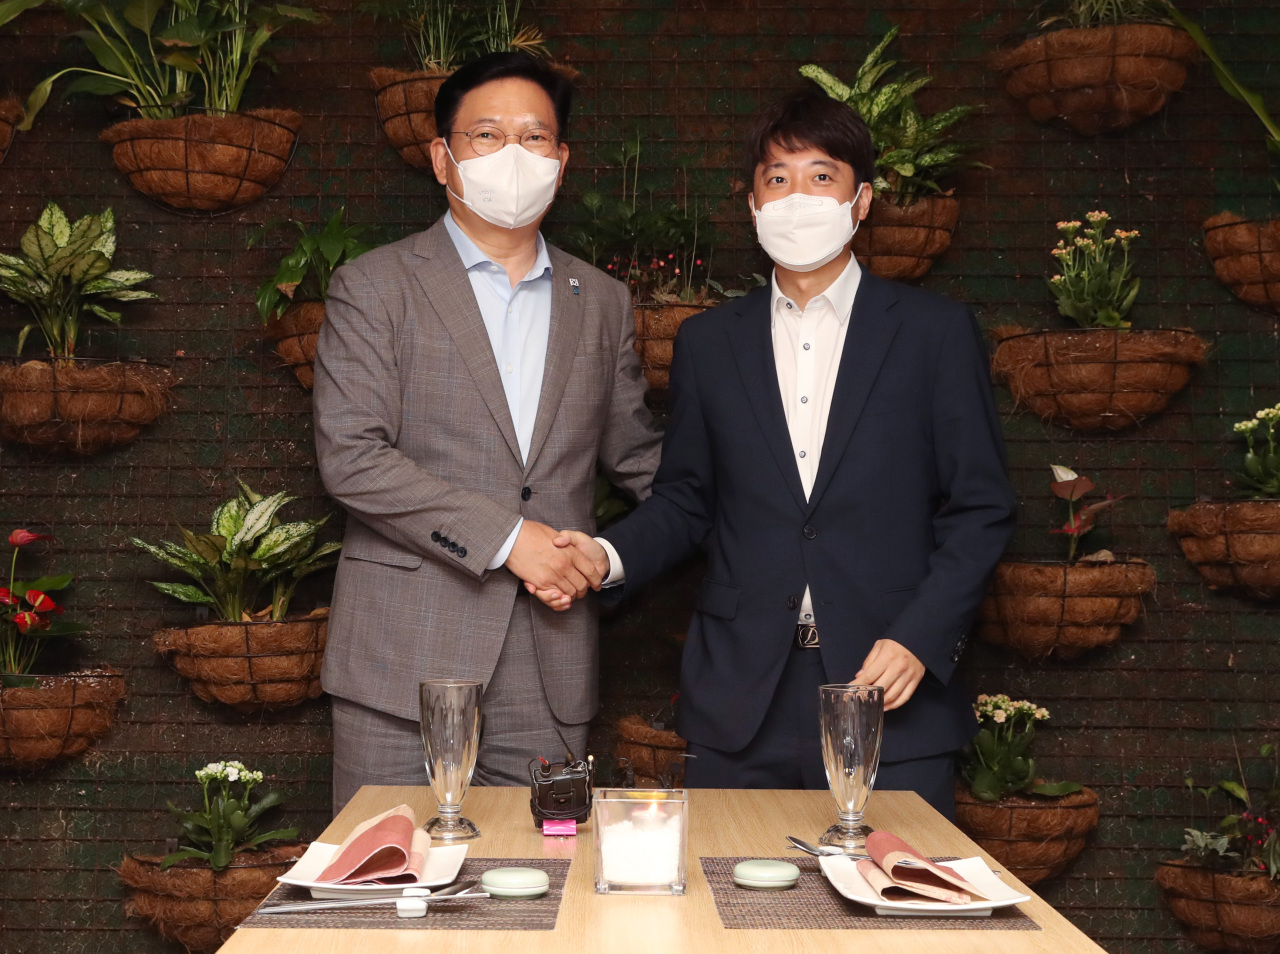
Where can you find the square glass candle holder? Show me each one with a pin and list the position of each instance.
(642, 837)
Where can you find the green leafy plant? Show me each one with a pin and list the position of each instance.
(913, 151)
(1091, 13)
(150, 53)
(27, 616)
(63, 271)
(998, 762)
(1261, 467)
(9, 9)
(303, 274)
(1070, 486)
(229, 820)
(1245, 841)
(246, 550)
(1094, 288)
(442, 34)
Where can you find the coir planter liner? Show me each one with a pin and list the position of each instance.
(59, 717)
(407, 110)
(1223, 912)
(652, 753)
(1234, 544)
(295, 333)
(903, 242)
(656, 327)
(1246, 257)
(1034, 836)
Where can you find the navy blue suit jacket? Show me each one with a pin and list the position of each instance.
(909, 514)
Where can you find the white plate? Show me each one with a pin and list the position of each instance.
(842, 872)
(443, 862)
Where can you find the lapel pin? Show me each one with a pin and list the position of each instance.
(573, 283)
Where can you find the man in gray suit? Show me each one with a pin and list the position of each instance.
(468, 379)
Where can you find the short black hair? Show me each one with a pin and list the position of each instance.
(807, 118)
(497, 66)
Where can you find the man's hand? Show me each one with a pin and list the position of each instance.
(556, 598)
(893, 666)
(538, 560)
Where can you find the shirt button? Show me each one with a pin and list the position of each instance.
(806, 346)
(789, 305)
(802, 453)
(804, 400)
(508, 369)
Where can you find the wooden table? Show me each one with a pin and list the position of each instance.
(722, 823)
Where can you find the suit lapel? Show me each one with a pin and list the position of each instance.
(752, 345)
(871, 330)
(562, 345)
(446, 286)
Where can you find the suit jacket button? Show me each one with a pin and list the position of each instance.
(435, 536)
(526, 493)
(810, 532)
(793, 602)
(443, 541)
(462, 553)
(453, 547)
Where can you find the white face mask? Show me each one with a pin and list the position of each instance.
(510, 187)
(803, 232)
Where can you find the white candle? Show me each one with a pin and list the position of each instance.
(642, 849)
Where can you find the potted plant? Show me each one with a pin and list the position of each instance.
(440, 35)
(167, 58)
(10, 116)
(1103, 375)
(650, 750)
(1245, 252)
(1102, 68)
(1065, 608)
(199, 893)
(1235, 544)
(291, 302)
(911, 219)
(254, 659)
(1034, 828)
(62, 273)
(1226, 887)
(43, 718)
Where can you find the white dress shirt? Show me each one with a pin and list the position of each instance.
(807, 345)
(519, 324)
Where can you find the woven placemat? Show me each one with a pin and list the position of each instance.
(814, 905)
(482, 914)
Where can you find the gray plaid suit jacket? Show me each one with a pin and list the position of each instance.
(415, 441)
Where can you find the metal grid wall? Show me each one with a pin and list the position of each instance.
(1130, 720)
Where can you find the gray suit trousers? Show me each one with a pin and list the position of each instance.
(376, 748)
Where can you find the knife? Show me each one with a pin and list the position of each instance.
(457, 891)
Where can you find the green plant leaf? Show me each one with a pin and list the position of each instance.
(54, 221)
(279, 541)
(207, 546)
(78, 244)
(182, 855)
(185, 592)
(106, 314)
(11, 8)
(97, 85)
(257, 521)
(1055, 789)
(14, 680)
(45, 584)
(91, 265)
(228, 517)
(1234, 788)
(142, 13)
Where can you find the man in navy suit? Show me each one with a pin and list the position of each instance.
(834, 446)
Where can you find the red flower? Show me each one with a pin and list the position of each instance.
(7, 598)
(26, 621)
(40, 601)
(20, 538)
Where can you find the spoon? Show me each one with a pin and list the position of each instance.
(817, 851)
(414, 896)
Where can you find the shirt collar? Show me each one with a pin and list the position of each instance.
(471, 254)
(840, 293)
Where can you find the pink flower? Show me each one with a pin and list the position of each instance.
(40, 601)
(20, 538)
(26, 621)
(7, 598)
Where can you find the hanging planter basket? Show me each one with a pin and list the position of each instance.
(407, 109)
(10, 115)
(196, 906)
(202, 162)
(1034, 836)
(1246, 257)
(1063, 609)
(1234, 544)
(252, 667)
(79, 405)
(656, 327)
(59, 717)
(652, 753)
(1099, 79)
(1095, 379)
(1223, 912)
(902, 243)
(295, 333)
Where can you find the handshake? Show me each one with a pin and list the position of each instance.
(557, 566)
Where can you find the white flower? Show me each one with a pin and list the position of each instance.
(1061, 474)
(1246, 427)
(233, 774)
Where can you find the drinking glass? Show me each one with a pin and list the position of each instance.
(450, 721)
(852, 724)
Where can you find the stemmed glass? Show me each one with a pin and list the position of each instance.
(450, 721)
(852, 724)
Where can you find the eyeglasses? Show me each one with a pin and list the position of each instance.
(486, 140)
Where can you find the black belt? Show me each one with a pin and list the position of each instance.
(806, 636)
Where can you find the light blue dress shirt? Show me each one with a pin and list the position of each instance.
(519, 323)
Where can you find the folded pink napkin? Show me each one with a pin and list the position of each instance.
(387, 849)
(897, 872)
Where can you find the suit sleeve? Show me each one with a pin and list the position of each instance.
(357, 401)
(676, 519)
(976, 518)
(629, 446)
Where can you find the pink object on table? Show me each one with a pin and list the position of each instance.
(559, 826)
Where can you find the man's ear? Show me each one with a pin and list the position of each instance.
(564, 161)
(862, 202)
(751, 203)
(439, 160)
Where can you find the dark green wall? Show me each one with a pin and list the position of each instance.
(1130, 720)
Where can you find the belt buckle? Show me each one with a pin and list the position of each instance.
(806, 636)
